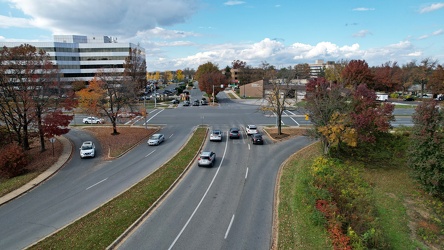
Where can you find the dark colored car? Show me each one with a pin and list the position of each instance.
(175, 101)
(257, 139)
(234, 133)
(196, 103)
(409, 99)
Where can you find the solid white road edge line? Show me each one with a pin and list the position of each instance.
(201, 200)
(246, 174)
(96, 183)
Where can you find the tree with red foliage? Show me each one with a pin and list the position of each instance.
(357, 72)
(370, 118)
(56, 123)
(387, 77)
(29, 89)
(212, 81)
(238, 64)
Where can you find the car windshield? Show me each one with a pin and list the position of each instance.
(86, 147)
(154, 137)
(216, 132)
(205, 158)
(252, 127)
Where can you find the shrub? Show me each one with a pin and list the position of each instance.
(13, 161)
(349, 209)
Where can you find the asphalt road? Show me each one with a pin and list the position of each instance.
(228, 206)
(79, 187)
(235, 211)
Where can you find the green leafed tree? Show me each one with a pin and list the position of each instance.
(427, 147)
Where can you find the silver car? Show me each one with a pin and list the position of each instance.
(156, 139)
(87, 149)
(207, 158)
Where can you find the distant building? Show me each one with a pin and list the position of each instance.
(79, 58)
(318, 67)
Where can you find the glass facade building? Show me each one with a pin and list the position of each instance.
(79, 58)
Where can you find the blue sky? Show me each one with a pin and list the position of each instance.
(180, 34)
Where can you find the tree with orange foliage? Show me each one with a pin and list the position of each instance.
(89, 98)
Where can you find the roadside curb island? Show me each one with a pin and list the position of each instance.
(64, 157)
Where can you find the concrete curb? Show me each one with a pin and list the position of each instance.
(65, 156)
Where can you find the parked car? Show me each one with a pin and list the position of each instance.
(186, 103)
(92, 120)
(234, 133)
(251, 129)
(196, 103)
(126, 115)
(257, 139)
(156, 139)
(145, 97)
(409, 99)
(207, 158)
(87, 149)
(175, 101)
(203, 102)
(216, 135)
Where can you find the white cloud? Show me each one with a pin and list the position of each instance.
(162, 33)
(432, 7)
(115, 18)
(230, 3)
(438, 32)
(435, 33)
(363, 9)
(8, 22)
(278, 54)
(362, 33)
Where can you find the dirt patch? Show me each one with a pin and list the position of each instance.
(40, 161)
(127, 138)
(287, 132)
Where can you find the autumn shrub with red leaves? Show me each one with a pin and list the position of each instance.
(13, 161)
(347, 205)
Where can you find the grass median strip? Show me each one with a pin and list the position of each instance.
(100, 228)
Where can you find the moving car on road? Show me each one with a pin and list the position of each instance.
(216, 135)
(257, 139)
(207, 158)
(92, 120)
(87, 149)
(156, 139)
(251, 129)
(234, 133)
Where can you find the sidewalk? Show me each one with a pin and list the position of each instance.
(66, 154)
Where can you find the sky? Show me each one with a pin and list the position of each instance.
(179, 34)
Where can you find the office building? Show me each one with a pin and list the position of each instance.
(79, 58)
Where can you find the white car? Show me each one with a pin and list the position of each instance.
(92, 120)
(251, 129)
(87, 149)
(156, 139)
(216, 135)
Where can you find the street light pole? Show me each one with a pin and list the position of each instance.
(213, 94)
